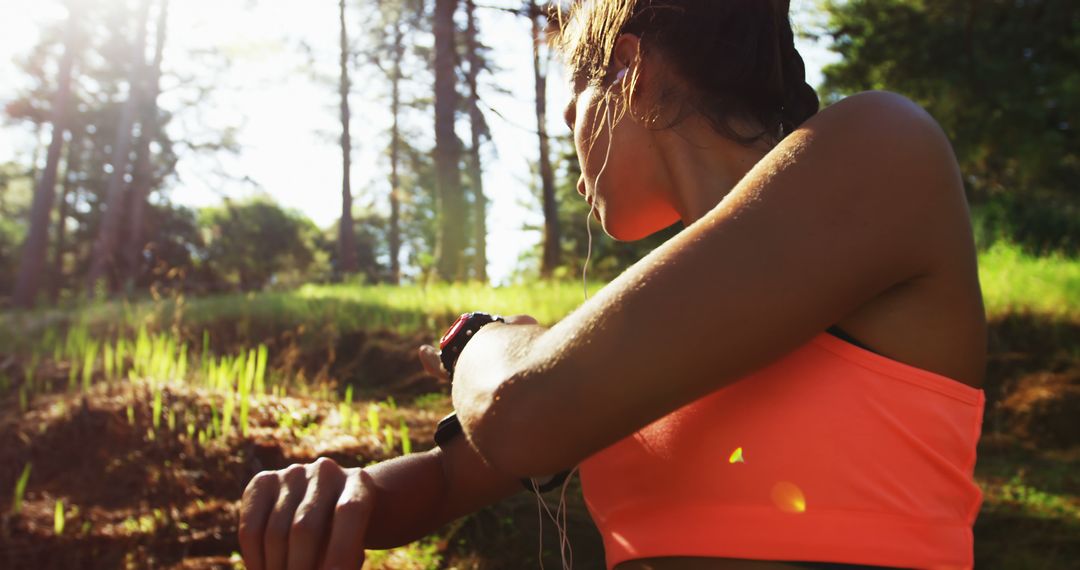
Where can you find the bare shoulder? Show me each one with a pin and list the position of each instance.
(883, 151)
(884, 130)
(879, 109)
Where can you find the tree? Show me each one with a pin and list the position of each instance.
(479, 131)
(347, 235)
(72, 167)
(105, 247)
(143, 175)
(34, 248)
(108, 68)
(16, 196)
(249, 242)
(1001, 77)
(547, 178)
(392, 26)
(607, 258)
(451, 237)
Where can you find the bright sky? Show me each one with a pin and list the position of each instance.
(287, 115)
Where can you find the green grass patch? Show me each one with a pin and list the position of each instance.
(1012, 281)
(1017, 282)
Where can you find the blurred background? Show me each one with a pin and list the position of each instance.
(225, 227)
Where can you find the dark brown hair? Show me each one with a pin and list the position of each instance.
(737, 57)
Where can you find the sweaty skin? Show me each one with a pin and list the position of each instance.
(857, 219)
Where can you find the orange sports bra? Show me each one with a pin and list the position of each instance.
(833, 453)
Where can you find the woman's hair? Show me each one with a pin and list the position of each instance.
(737, 59)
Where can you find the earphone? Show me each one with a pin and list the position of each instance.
(566, 550)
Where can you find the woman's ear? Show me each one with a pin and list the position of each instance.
(627, 51)
(629, 72)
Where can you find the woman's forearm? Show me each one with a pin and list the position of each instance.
(410, 493)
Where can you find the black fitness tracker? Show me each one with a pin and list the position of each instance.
(458, 335)
(450, 427)
(450, 346)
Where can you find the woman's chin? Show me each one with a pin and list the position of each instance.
(626, 232)
(633, 230)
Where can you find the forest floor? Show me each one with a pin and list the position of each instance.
(140, 491)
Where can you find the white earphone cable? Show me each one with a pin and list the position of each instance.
(560, 512)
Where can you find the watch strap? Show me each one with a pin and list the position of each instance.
(450, 427)
(459, 334)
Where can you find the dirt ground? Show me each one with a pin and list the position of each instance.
(136, 496)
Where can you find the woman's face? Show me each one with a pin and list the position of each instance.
(630, 194)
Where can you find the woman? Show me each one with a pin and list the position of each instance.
(792, 381)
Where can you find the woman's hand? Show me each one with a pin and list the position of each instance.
(306, 517)
(429, 355)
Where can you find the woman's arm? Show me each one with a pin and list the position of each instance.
(848, 206)
(417, 494)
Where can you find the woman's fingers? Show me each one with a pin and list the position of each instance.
(255, 506)
(293, 483)
(311, 523)
(521, 320)
(429, 357)
(345, 550)
(305, 516)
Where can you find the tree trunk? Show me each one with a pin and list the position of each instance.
(395, 156)
(450, 244)
(72, 167)
(143, 179)
(346, 232)
(35, 246)
(103, 259)
(547, 178)
(476, 120)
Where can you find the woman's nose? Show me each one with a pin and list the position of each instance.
(581, 185)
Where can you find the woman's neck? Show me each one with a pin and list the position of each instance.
(703, 166)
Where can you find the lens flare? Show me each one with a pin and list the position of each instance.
(736, 456)
(788, 497)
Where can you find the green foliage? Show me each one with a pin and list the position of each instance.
(58, 517)
(371, 233)
(255, 243)
(15, 192)
(20, 489)
(406, 441)
(175, 246)
(1015, 281)
(1039, 227)
(420, 555)
(1000, 77)
(373, 418)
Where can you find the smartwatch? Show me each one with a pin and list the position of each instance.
(450, 427)
(458, 335)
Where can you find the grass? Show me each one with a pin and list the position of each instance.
(20, 489)
(220, 343)
(1013, 281)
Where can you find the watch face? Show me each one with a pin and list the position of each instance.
(453, 330)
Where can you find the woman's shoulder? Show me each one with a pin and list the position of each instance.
(877, 106)
(890, 138)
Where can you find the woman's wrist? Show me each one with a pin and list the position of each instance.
(410, 492)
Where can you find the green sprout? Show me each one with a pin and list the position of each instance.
(20, 489)
(58, 517)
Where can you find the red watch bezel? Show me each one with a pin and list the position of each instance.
(453, 330)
